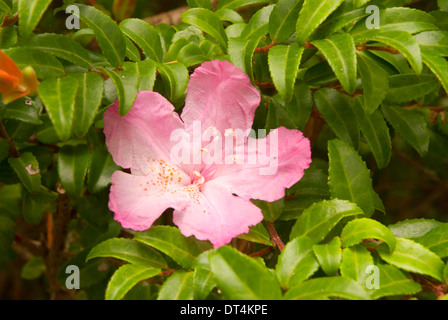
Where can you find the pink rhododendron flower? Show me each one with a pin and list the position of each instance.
(210, 200)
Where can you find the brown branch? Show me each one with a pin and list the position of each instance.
(362, 47)
(8, 20)
(265, 49)
(274, 235)
(262, 252)
(265, 84)
(13, 152)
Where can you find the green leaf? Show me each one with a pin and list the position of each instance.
(128, 250)
(101, 169)
(44, 64)
(145, 36)
(30, 13)
(413, 228)
(349, 177)
(360, 229)
(271, 210)
(337, 20)
(33, 268)
(132, 52)
(410, 124)
(109, 36)
(399, 19)
(355, 261)
(27, 169)
(203, 283)
(62, 47)
(8, 37)
(229, 15)
(438, 65)
(126, 84)
(170, 241)
(200, 4)
(413, 257)
(59, 95)
(329, 256)
(126, 277)
(73, 162)
(88, 100)
(400, 40)
(375, 81)
(34, 205)
(376, 132)
(235, 4)
(436, 240)
(434, 42)
(179, 286)
(393, 283)
(175, 77)
(340, 52)
(283, 19)
(5, 7)
(313, 13)
(23, 109)
(296, 262)
(408, 87)
(258, 234)
(328, 287)
(337, 110)
(208, 22)
(284, 64)
(320, 218)
(240, 277)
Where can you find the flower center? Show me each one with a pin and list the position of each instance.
(197, 179)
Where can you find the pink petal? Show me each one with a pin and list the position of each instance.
(144, 132)
(138, 201)
(268, 181)
(220, 94)
(217, 216)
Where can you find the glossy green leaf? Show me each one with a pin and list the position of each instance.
(329, 287)
(175, 77)
(179, 286)
(354, 264)
(296, 262)
(413, 257)
(229, 15)
(208, 22)
(400, 40)
(128, 250)
(320, 218)
(375, 82)
(33, 268)
(408, 87)
(340, 52)
(337, 21)
(5, 7)
(313, 13)
(88, 100)
(258, 234)
(436, 240)
(126, 83)
(434, 42)
(282, 21)
(360, 229)
(45, 65)
(109, 36)
(62, 47)
(132, 52)
(145, 36)
(30, 13)
(170, 241)
(235, 4)
(126, 277)
(23, 109)
(284, 64)
(203, 283)
(34, 205)
(376, 133)
(101, 169)
(73, 162)
(413, 228)
(27, 169)
(410, 124)
(8, 37)
(329, 256)
(394, 282)
(337, 110)
(59, 97)
(240, 277)
(349, 177)
(438, 65)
